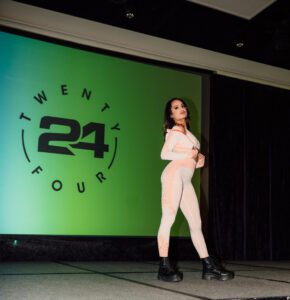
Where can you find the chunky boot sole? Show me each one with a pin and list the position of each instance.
(170, 278)
(217, 277)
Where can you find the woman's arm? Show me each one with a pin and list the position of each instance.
(168, 153)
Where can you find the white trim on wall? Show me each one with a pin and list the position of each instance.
(68, 28)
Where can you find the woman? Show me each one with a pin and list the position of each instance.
(182, 148)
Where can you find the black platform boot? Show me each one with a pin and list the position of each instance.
(167, 272)
(213, 269)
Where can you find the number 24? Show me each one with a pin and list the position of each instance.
(99, 147)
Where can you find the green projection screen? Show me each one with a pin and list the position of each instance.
(81, 135)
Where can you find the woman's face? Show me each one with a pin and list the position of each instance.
(178, 110)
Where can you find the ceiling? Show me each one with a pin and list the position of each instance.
(258, 30)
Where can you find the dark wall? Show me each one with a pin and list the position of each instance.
(249, 181)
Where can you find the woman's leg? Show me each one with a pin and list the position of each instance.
(171, 195)
(190, 208)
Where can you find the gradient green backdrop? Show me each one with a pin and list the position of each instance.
(127, 203)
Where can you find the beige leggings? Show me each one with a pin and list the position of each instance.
(177, 191)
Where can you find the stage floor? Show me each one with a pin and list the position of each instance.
(137, 280)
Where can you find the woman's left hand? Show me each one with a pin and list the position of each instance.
(200, 160)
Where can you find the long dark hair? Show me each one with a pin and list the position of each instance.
(168, 121)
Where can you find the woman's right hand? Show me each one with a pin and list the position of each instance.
(194, 153)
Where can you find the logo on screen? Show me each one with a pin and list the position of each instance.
(90, 143)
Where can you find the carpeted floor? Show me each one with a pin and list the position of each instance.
(137, 280)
